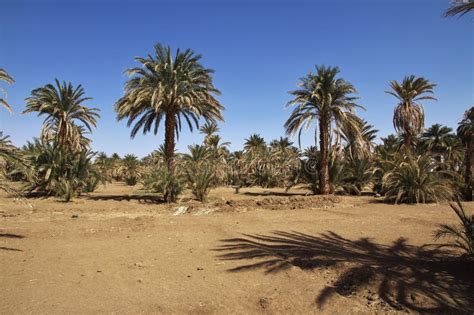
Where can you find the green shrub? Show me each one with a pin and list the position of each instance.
(165, 182)
(53, 171)
(65, 189)
(130, 165)
(91, 183)
(265, 177)
(358, 175)
(131, 180)
(413, 179)
(200, 181)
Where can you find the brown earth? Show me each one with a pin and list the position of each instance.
(120, 250)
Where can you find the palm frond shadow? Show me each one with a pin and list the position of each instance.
(416, 278)
(11, 235)
(10, 249)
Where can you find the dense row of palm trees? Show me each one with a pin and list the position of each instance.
(416, 165)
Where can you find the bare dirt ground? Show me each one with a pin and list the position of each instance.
(119, 250)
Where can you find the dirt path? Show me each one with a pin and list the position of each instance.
(134, 257)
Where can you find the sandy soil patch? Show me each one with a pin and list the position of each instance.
(262, 251)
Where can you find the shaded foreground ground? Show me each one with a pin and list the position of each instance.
(261, 251)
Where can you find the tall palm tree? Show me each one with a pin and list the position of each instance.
(5, 77)
(408, 116)
(67, 119)
(326, 100)
(466, 133)
(460, 7)
(174, 87)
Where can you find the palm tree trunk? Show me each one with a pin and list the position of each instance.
(468, 171)
(170, 124)
(324, 188)
(407, 141)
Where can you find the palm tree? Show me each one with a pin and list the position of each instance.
(408, 116)
(197, 153)
(285, 158)
(130, 169)
(208, 129)
(214, 142)
(460, 7)
(4, 76)
(237, 168)
(104, 165)
(219, 150)
(466, 132)
(391, 143)
(360, 141)
(175, 88)
(326, 100)
(435, 139)
(454, 153)
(67, 120)
(282, 145)
(8, 154)
(254, 144)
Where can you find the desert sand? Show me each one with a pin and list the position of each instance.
(119, 250)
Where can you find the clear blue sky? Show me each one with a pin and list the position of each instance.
(259, 50)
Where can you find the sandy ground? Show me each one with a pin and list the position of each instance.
(119, 250)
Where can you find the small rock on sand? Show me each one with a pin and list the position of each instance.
(180, 210)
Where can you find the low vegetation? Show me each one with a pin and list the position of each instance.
(462, 234)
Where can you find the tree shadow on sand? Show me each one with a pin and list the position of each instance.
(152, 199)
(273, 194)
(425, 279)
(11, 235)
